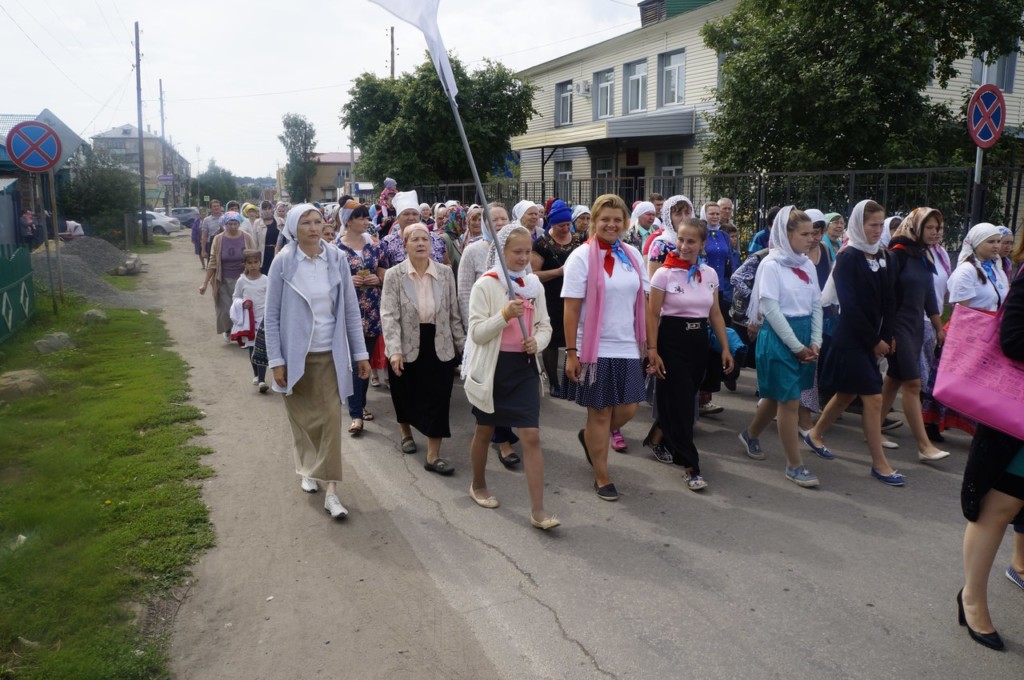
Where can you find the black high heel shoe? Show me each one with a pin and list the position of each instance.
(990, 640)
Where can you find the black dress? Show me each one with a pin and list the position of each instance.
(554, 255)
(867, 305)
(915, 297)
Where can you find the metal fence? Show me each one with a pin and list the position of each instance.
(17, 293)
(950, 190)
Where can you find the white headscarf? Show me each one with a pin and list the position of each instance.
(291, 221)
(978, 234)
(501, 237)
(666, 218)
(520, 208)
(855, 231)
(704, 217)
(642, 208)
(779, 250)
(886, 236)
(854, 239)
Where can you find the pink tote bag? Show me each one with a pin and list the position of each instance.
(975, 377)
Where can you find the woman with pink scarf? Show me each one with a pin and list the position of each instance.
(603, 287)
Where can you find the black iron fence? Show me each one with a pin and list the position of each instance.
(950, 190)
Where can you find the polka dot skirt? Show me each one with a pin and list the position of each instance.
(619, 381)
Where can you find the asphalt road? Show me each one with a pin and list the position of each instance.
(753, 577)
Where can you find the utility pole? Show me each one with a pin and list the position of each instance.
(392, 53)
(163, 147)
(142, 160)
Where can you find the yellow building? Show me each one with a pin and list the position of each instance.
(160, 158)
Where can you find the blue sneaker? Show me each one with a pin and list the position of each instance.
(752, 447)
(801, 476)
(1012, 574)
(895, 479)
(822, 451)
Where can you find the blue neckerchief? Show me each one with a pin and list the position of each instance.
(695, 269)
(990, 270)
(620, 253)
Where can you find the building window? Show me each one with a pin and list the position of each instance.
(563, 180)
(563, 103)
(1001, 74)
(636, 86)
(672, 69)
(604, 167)
(604, 81)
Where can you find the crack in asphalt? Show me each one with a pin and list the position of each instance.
(416, 478)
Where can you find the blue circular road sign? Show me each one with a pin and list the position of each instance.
(33, 146)
(986, 115)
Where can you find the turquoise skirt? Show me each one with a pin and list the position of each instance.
(780, 376)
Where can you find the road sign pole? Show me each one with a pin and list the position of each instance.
(978, 196)
(37, 204)
(56, 234)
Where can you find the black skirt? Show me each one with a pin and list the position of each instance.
(850, 370)
(516, 392)
(423, 393)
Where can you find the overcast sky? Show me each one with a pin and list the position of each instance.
(231, 69)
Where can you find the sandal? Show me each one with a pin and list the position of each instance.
(408, 445)
(374, 381)
(440, 466)
(367, 415)
(356, 428)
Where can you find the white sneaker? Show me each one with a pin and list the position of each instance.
(309, 485)
(255, 380)
(227, 338)
(710, 408)
(334, 507)
(264, 387)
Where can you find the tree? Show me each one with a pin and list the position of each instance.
(299, 140)
(217, 182)
(808, 85)
(404, 128)
(101, 192)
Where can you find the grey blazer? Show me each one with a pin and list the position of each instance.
(400, 319)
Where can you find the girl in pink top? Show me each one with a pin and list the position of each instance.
(684, 298)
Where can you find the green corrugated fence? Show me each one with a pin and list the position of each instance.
(17, 294)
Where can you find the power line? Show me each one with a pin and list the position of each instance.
(557, 42)
(41, 24)
(109, 30)
(42, 52)
(121, 18)
(67, 29)
(122, 85)
(258, 94)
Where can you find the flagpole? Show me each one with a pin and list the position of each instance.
(483, 201)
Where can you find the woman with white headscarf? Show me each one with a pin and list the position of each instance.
(581, 219)
(976, 282)
(786, 295)
(314, 345)
(641, 224)
(225, 265)
(674, 212)
(865, 289)
(527, 213)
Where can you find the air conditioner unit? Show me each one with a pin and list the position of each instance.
(582, 88)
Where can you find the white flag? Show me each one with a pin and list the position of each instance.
(423, 15)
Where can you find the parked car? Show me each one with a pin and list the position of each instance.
(160, 224)
(185, 215)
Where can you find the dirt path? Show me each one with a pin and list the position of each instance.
(287, 593)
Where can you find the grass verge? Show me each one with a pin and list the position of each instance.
(122, 282)
(99, 477)
(157, 244)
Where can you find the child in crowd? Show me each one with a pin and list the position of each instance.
(787, 297)
(503, 381)
(251, 288)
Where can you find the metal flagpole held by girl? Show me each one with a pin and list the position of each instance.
(423, 15)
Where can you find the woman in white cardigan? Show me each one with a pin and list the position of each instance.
(502, 381)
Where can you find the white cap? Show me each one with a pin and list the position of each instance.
(405, 200)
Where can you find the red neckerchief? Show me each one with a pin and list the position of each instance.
(609, 259)
(673, 261)
(801, 274)
(518, 281)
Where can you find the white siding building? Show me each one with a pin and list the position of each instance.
(633, 107)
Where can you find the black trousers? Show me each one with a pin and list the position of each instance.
(683, 347)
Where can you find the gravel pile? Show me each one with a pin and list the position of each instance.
(83, 262)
